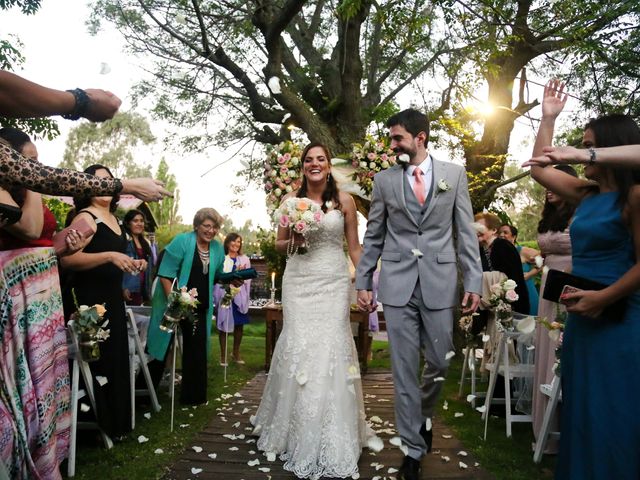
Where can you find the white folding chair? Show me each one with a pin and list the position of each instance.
(554, 392)
(137, 355)
(80, 367)
(502, 366)
(469, 363)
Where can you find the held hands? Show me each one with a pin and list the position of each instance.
(470, 302)
(585, 302)
(365, 301)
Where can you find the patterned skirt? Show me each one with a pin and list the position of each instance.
(34, 372)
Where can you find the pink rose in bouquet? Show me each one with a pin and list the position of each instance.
(301, 215)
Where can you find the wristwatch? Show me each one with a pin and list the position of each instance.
(81, 104)
(592, 156)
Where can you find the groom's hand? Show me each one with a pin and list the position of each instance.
(470, 302)
(365, 301)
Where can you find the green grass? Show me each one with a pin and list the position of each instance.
(508, 459)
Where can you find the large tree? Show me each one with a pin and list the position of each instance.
(166, 211)
(112, 143)
(332, 68)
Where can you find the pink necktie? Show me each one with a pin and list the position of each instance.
(418, 186)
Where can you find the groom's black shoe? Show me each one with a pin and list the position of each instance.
(427, 435)
(410, 469)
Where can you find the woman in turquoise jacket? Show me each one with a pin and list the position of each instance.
(194, 259)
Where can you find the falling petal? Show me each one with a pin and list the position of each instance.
(403, 158)
(375, 443)
(147, 415)
(486, 338)
(417, 253)
(196, 449)
(531, 347)
(404, 449)
(301, 378)
(481, 409)
(84, 407)
(195, 471)
(142, 439)
(102, 381)
(253, 463)
(396, 441)
(450, 354)
(438, 379)
(428, 425)
(462, 465)
(458, 414)
(527, 325)
(158, 451)
(471, 397)
(104, 68)
(274, 85)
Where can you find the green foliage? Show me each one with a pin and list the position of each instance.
(250, 240)
(28, 7)
(165, 233)
(111, 143)
(166, 211)
(59, 209)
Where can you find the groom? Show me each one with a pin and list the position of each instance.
(420, 223)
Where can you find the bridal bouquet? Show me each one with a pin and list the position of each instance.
(301, 216)
(89, 325)
(502, 295)
(368, 159)
(281, 172)
(181, 305)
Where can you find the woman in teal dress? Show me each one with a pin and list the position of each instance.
(600, 429)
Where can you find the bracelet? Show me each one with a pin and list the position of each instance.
(81, 104)
(592, 156)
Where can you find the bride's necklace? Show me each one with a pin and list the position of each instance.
(204, 258)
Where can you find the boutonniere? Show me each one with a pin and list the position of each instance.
(443, 186)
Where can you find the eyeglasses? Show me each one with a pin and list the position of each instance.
(209, 228)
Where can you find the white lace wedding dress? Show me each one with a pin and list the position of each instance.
(312, 411)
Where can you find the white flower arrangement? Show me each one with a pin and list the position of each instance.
(502, 295)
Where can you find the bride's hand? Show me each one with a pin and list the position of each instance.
(298, 239)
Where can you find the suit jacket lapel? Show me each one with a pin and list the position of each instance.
(398, 187)
(439, 171)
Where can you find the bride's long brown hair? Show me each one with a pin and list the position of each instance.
(331, 191)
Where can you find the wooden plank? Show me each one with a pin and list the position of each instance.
(233, 454)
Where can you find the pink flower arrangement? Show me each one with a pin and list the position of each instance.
(281, 172)
(370, 158)
(502, 295)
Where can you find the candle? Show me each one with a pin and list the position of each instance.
(273, 280)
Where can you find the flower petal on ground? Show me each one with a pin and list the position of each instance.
(462, 465)
(142, 439)
(458, 414)
(212, 456)
(158, 451)
(253, 463)
(375, 443)
(271, 457)
(195, 471)
(196, 449)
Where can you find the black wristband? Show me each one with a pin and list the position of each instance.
(592, 156)
(81, 106)
(119, 185)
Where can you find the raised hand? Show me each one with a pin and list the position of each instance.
(103, 105)
(554, 98)
(146, 189)
(558, 155)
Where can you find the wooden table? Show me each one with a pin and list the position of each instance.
(274, 327)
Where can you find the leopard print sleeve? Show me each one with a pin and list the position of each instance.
(16, 170)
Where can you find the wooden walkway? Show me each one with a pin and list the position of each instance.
(225, 450)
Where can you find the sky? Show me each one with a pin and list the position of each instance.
(61, 54)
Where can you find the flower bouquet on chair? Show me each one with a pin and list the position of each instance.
(181, 305)
(502, 295)
(89, 326)
(301, 216)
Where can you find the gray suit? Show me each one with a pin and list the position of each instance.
(419, 293)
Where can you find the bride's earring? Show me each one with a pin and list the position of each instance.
(329, 177)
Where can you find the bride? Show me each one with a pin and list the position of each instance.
(312, 411)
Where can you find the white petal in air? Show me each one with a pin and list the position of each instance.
(438, 379)
(416, 253)
(147, 415)
(428, 425)
(274, 85)
(482, 409)
(450, 354)
(84, 407)
(471, 398)
(485, 338)
(104, 68)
